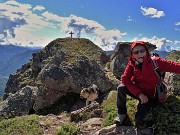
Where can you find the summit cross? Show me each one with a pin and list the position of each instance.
(71, 34)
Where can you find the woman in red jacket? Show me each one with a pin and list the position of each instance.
(140, 80)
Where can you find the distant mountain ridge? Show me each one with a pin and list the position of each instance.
(7, 51)
(3, 80)
(109, 52)
(162, 54)
(12, 58)
(16, 61)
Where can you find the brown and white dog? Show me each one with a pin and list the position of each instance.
(90, 94)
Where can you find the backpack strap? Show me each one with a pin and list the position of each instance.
(156, 67)
(161, 88)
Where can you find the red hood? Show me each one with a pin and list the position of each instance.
(135, 44)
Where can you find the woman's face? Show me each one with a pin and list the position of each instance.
(139, 53)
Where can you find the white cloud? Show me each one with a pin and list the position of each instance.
(129, 19)
(162, 44)
(80, 25)
(2, 36)
(29, 39)
(176, 42)
(140, 35)
(107, 39)
(152, 12)
(52, 17)
(21, 24)
(26, 27)
(177, 23)
(14, 10)
(40, 8)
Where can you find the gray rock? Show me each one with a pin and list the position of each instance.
(19, 103)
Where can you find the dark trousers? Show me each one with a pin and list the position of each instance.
(142, 109)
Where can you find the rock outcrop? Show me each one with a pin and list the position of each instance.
(63, 67)
(20, 103)
(172, 79)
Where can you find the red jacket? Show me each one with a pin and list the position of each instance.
(145, 81)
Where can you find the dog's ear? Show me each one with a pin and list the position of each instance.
(91, 89)
(87, 90)
(94, 86)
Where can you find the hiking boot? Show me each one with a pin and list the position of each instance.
(119, 119)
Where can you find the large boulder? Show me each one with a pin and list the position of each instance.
(70, 79)
(20, 103)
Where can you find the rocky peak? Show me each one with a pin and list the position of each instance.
(57, 71)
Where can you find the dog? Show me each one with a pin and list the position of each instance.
(90, 94)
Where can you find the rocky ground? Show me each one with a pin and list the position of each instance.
(92, 126)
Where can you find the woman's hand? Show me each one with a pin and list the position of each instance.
(143, 98)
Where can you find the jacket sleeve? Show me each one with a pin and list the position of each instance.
(168, 66)
(126, 80)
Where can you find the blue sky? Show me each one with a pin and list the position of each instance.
(105, 22)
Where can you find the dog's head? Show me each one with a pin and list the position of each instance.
(84, 93)
(93, 88)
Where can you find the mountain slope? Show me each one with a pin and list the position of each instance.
(3, 80)
(162, 54)
(12, 58)
(15, 62)
(7, 51)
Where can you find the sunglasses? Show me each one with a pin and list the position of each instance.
(139, 51)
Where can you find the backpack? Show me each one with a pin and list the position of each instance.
(161, 87)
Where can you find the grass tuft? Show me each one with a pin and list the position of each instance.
(25, 125)
(68, 129)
